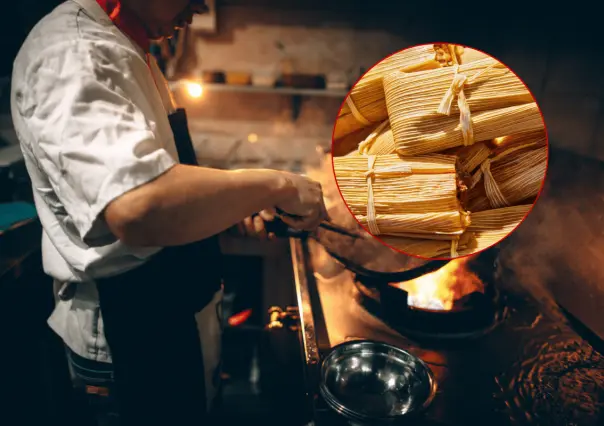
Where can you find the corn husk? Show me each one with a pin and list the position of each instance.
(471, 55)
(490, 85)
(497, 100)
(418, 136)
(469, 158)
(491, 226)
(518, 176)
(350, 143)
(367, 95)
(422, 200)
(379, 142)
(431, 248)
(507, 145)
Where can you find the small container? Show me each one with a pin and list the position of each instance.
(236, 78)
(213, 77)
(264, 79)
(337, 81)
(303, 81)
(373, 383)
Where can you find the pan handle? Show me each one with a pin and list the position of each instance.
(282, 230)
(391, 277)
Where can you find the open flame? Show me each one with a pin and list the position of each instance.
(440, 290)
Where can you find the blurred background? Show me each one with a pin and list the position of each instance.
(263, 82)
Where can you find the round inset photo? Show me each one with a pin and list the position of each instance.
(440, 151)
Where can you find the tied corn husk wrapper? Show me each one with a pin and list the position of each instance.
(469, 158)
(508, 179)
(417, 195)
(367, 96)
(432, 248)
(379, 142)
(507, 145)
(349, 144)
(366, 103)
(498, 102)
(491, 226)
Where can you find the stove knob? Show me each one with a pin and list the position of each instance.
(275, 315)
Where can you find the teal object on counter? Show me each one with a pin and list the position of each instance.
(11, 213)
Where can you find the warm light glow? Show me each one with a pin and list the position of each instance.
(440, 289)
(195, 90)
(500, 141)
(252, 138)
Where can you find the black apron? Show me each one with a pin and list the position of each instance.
(150, 326)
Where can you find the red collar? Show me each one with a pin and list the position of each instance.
(127, 22)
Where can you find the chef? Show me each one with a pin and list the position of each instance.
(130, 222)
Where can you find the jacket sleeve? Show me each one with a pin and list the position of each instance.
(93, 126)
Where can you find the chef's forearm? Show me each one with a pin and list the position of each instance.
(188, 204)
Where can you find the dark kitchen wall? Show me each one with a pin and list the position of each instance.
(555, 51)
(318, 41)
(17, 18)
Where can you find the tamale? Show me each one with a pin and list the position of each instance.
(431, 248)
(506, 145)
(350, 143)
(379, 142)
(469, 158)
(489, 227)
(365, 104)
(417, 135)
(471, 55)
(425, 119)
(508, 179)
(394, 195)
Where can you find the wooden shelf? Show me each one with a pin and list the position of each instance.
(268, 90)
(296, 94)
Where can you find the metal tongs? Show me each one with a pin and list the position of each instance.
(281, 229)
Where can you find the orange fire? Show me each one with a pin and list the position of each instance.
(440, 290)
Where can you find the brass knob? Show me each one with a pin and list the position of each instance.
(275, 315)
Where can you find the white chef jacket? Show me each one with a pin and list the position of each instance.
(92, 123)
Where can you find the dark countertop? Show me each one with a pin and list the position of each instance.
(532, 369)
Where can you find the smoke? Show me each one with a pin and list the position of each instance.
(555, 254)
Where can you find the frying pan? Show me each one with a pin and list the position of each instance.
(361, 253)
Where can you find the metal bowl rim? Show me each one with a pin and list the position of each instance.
(338, 406)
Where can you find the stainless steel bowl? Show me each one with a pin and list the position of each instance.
(372, 382)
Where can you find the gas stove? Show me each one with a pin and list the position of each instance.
(520, 362)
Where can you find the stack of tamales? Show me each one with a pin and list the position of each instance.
(366, 104)
(452, 158)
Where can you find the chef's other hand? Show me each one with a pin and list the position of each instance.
(255, 226)
(306, 203)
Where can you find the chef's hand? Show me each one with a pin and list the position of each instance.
(305, 203)
(255, 226)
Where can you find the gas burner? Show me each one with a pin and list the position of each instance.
(471, 316)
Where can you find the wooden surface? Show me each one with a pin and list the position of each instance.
(559, 249)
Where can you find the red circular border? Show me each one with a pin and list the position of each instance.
(525, 216)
